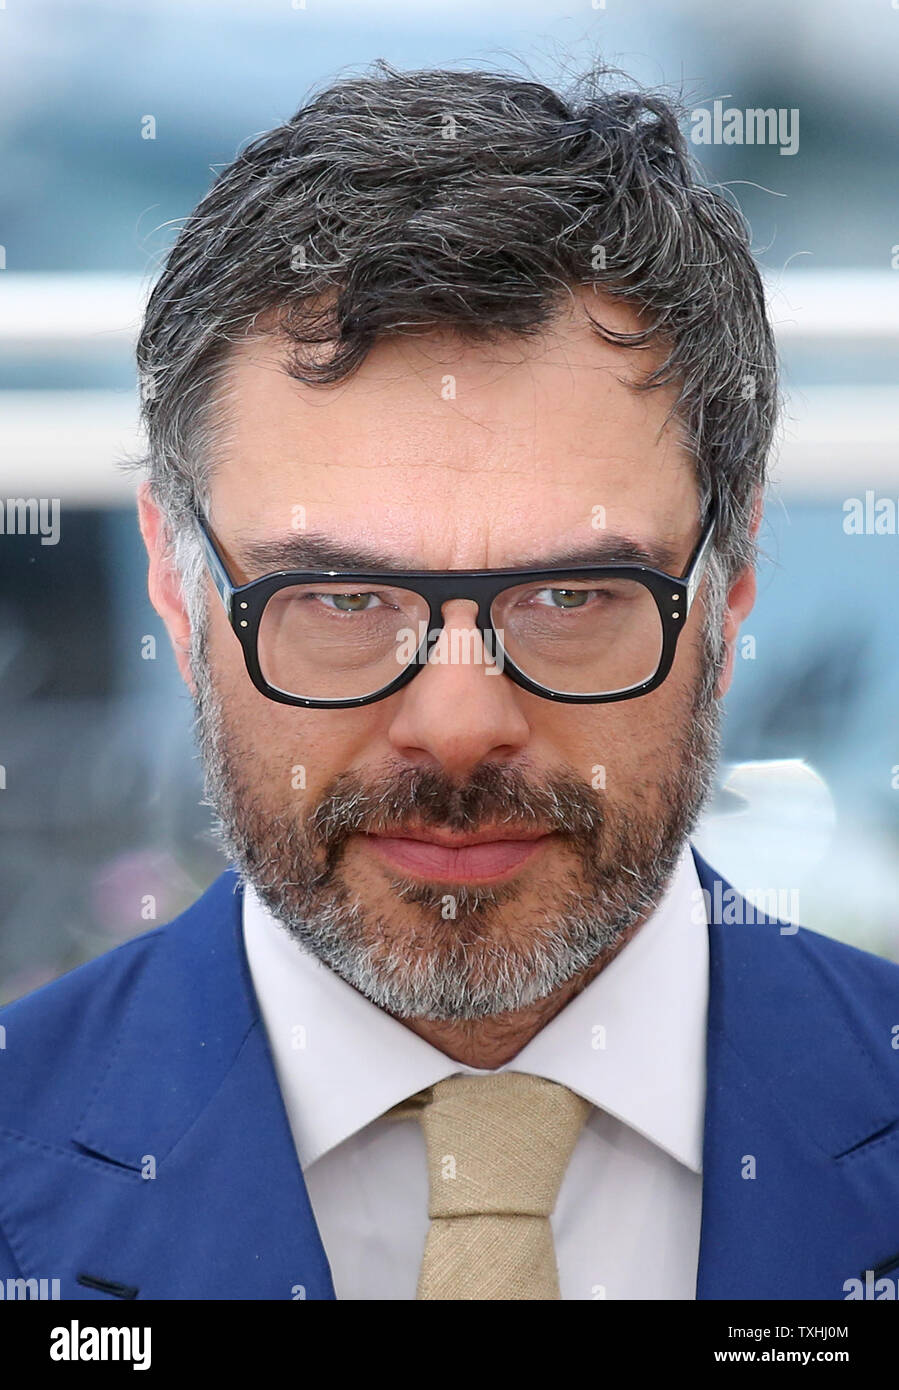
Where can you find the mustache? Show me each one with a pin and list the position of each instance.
(424, 797)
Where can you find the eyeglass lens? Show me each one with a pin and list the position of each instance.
(335, 641)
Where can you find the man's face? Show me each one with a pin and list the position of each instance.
(445, 455)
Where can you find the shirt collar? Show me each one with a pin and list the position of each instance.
(632, 1042)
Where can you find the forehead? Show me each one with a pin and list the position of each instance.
(456, 453)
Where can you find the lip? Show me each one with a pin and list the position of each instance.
(488, 856)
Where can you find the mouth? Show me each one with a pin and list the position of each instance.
(486, 857)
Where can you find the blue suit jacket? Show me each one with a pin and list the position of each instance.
(155, 1055)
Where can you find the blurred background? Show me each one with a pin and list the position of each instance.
(100, 790)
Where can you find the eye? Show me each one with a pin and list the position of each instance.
(563, 598)
(351, 602)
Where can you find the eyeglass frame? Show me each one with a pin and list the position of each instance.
(245, 603)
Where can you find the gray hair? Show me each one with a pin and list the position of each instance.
(395, 201)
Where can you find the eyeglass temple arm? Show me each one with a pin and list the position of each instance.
(694, 576)
(215, 564)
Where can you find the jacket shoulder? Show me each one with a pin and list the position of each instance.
(56, 1039)
(853, 971)
(771, 977)
(732, 917)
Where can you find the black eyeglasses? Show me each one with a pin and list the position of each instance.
(334, 639)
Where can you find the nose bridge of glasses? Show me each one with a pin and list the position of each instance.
(460, 610)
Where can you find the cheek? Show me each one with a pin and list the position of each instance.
(627, 741)
(618, 744)
(287, 751)
(224, 651)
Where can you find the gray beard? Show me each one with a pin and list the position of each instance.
(452, 966)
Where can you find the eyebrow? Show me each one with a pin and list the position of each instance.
(320, 553)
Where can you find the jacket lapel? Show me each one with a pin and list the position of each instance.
(800, 1177)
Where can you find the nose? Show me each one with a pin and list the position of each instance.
(460, 710)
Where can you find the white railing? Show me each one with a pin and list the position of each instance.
(66, 442)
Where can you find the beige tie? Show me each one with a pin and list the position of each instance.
(498, 1147)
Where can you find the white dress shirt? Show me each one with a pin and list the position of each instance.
(626, 1223)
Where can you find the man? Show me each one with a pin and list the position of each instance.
(459, 397)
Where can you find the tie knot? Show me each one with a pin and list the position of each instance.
(498, 1144)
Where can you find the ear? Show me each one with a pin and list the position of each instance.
(740, 600)
(164, 581)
